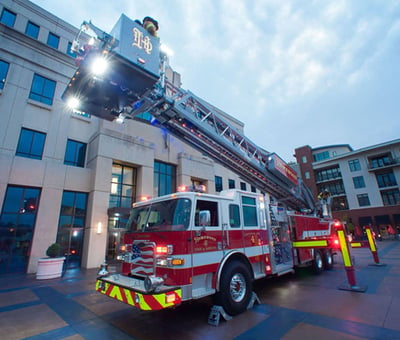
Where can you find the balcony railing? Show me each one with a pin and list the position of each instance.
(372, 166)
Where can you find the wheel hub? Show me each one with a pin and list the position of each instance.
(238, 287)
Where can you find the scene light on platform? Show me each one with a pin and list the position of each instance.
(166, 50)
(99, 66)
(73, 103)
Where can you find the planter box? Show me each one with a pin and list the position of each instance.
(49, 268)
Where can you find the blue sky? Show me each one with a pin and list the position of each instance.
(295, 72)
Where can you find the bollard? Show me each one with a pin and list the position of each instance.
(372, 247)
(348, 263)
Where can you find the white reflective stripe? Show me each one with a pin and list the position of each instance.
(253, 251)
(141, 269)
(211, 257)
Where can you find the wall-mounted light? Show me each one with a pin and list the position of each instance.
(99, 227)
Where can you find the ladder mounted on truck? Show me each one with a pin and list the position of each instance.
(133, 85)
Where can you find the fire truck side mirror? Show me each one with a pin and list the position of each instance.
(204, 218)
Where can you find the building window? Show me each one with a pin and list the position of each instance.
(358, 182)
(386, 179)
(53, 40)
(3, 73)
(328, 174)
(334, 188)
(8, 17)
(17, 225)
(231, 183)
(339, 203)
(75, 153)
(164, 178)
(390, 197)
(31, 144)
(218, 184)
(253, 188)
(243, 186)
(123, 186)
(304, 159)
(307, 175)
(71, 226)
(363, 200)
(354, 165)
(42, 89)
(32, 30)
(69, 50)
(321, 156)
(379, 162)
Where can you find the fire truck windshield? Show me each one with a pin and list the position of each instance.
(168, 215)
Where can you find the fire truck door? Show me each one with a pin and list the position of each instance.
(207, 245)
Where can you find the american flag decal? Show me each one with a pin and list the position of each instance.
(142, 260)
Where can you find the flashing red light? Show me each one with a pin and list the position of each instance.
(337, 224)
(163, 250)
(144, 198)
(183, 188)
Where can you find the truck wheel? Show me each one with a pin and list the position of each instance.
(235, 289)
(328, 260)
(318, 263)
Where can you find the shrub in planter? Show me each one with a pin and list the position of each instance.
(51, 267)
(53, 250)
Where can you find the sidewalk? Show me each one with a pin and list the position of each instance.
(300, 306)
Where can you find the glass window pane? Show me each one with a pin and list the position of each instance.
(8, 17)
(128, 175)
(32, 30)
(80, 201)
(24, 143)
(69, 50)
(53, 40)
(65, 221)
(13, 199)
(38, 144)
(81, 148)
(3, 73)
(42, 89)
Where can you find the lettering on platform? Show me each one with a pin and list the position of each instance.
(141, 41)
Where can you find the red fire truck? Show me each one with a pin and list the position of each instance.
(191, 244)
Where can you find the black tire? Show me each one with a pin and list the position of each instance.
(236, 288)
(318, 262)
(328, 260)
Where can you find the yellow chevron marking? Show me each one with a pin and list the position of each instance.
(129, 297)
(116, 293)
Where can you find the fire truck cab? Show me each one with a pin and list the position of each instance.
(189, 245)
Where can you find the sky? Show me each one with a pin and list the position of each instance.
(294, 72)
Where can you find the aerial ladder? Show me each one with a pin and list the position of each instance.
(135, 83)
